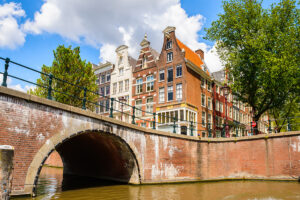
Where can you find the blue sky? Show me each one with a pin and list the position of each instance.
(98, 27)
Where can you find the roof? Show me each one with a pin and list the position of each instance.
(154, 53)
(219, 75)
(132, 61)
(190, 54)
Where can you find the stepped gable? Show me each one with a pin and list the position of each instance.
(147, 56)
(191, 55)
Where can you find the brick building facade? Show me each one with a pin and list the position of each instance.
(180, 73)
(144, 90)
(103, 74)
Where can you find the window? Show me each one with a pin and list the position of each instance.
(203, 119)
(150, 83)
(126, 85)
(144, 62)
(230, 112)
(217, 105)
(170, 93)
(179, 91)
(103, 78)
(161, 95)
(149, 105)
(107, 90)
(202, 82)
(121, 71)
(138, 105)
(170, 74)
(169, 57)
(208, 86)
(209, 121)
(203, 100)
(107, 105)
(120, 86)
(101, 106)
(97, 81)
(102, 91)
(115, 88)
(161, 75)
(143, 124)
(169, 44)
(209, 103)
(139, 85)
(179, 71)
(217, 89)
(221, 107)
(120, 60)
(183, 130)
(107, 77)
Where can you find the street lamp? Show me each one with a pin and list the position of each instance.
(226, 90)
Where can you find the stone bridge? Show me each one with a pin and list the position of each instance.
(100, 147)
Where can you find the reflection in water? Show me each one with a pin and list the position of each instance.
(50, 187)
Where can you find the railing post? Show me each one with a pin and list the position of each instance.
(236, 132)
(270, 128)
(4, 82)
(84, 99)
(289, 124)
(111, 107)
(174, 125)
(133, 115)
(209, 130)
(50, 87)
(154, 120)
(192, 134)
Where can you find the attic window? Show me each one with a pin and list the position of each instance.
(144, 62)
(169, 44)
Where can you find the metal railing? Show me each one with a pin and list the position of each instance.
(191, 128)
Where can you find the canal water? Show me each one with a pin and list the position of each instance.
(52, 186)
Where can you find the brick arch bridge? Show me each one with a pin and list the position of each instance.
(96, 146)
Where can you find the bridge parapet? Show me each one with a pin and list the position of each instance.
(35, 127)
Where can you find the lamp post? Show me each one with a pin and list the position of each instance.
(226, 90)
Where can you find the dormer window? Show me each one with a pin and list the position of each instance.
(144, 62)
(121, 71)
(120, 60)
(169, 44)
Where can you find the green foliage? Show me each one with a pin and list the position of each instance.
(68, 66)
(286, 113)
(260, 48)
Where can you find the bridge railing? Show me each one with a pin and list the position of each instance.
(136, 113)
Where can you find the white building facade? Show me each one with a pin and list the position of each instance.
(121, 83)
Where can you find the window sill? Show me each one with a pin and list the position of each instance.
(169, 61)
(179, 76)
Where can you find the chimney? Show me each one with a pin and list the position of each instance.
(200, 53)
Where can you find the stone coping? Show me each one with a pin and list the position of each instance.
(87, 113)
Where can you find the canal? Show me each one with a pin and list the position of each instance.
(52, 186)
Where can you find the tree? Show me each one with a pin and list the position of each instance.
(287, 113)
(260, 48)
(68, 66)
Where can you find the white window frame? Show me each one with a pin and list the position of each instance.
(161, 95)
(120, 86)
(139, 86)
(126, 85)
(203, 97)
(150, 83)
(179, 91)
(170, 89)
(177, 69)
(170, 56)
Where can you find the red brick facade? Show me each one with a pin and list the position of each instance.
(36, 126)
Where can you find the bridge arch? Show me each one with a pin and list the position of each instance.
(92, 153)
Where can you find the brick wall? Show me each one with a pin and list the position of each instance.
(35, 126)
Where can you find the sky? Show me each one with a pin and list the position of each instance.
(31, 29)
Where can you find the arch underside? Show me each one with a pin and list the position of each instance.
(92, 154)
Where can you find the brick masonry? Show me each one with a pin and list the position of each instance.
(35, 127)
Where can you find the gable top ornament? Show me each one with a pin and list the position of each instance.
(145, 41)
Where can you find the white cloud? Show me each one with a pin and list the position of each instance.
(11, 34)
(109, 23)
(212, 60)
(18, 87)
